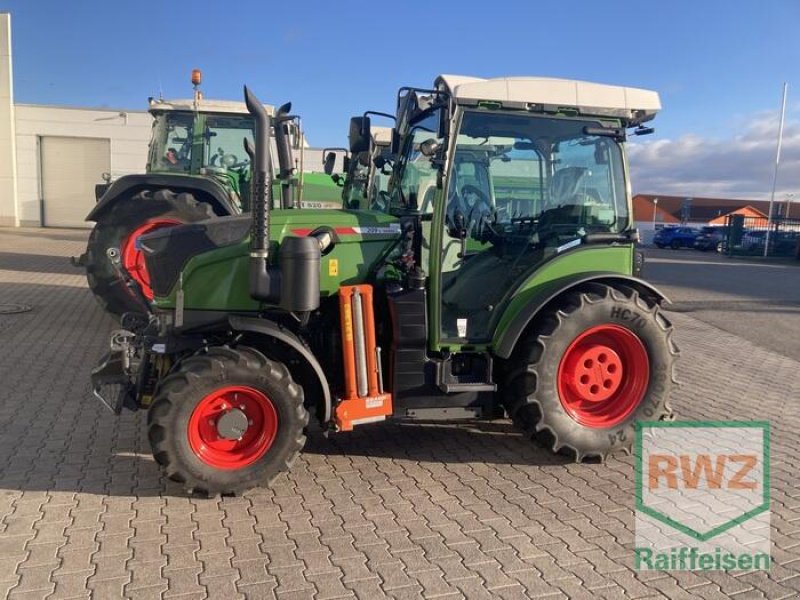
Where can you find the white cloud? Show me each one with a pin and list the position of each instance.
(738, 167)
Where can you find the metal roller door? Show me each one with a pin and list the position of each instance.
(70, 168)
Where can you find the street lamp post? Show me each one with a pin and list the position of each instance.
(655, 208)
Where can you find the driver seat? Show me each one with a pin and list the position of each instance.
(565, 184)
(567, 202)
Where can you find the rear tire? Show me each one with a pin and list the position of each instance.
(539, 392)
(183, 421)
(114, 227)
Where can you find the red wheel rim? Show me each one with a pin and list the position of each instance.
(257, 438)
(603, 376)
(133, 257)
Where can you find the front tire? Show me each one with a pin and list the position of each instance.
(119, 228)
(227, 421)
(588, 370)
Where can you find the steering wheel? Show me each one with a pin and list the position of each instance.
(230, 161)
(482, 198)
(478, 214)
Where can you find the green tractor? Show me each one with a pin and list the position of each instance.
(196, 169)
(366, 163)
(496, 280)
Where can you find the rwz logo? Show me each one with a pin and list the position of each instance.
(694, 470)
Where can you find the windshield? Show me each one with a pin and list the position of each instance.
(225, 135)
(171, 148)
(539, 174)
(218, 145)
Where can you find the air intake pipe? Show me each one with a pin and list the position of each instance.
(285, 159)
(264, 282)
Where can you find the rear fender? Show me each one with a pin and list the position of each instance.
(203, 188)
(549, 294)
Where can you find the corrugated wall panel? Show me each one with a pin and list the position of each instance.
(71, 167)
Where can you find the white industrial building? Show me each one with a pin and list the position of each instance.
(51, 157)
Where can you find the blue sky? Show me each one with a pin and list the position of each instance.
(719, 66)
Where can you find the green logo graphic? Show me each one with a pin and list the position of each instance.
(702, 495)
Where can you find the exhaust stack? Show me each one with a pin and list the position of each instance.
(299, 257)
(264, 282)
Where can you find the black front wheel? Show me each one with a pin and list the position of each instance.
(588, 369)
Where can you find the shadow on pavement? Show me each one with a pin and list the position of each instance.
(34, 263)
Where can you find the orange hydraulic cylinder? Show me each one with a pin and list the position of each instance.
(353, 409)
(348, 344)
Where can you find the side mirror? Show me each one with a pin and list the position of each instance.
(330, 161)
(346, 164)
(360, 134)
(395, 144)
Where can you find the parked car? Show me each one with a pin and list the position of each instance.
(780, 242)
(711, 238)
(675, 237)
(753, 240)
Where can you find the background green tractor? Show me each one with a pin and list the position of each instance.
(497, 279)
(366, 164)
(197, 168)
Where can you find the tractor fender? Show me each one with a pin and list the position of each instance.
(203, 188)
(286, 337)
(507, 340)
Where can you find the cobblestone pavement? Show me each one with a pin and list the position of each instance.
(389, 510)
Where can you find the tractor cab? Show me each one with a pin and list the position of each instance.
(205, 138)
(503, 177)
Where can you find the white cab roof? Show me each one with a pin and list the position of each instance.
(211, 106)
(633, 104)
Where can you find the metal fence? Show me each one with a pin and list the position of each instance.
(748, 236)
